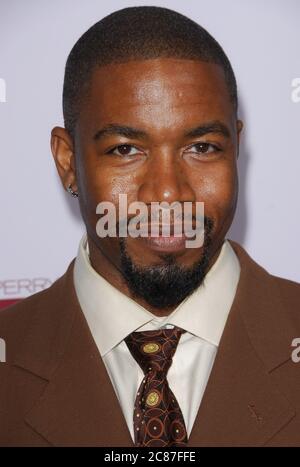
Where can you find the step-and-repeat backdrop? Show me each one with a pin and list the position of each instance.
(40, 223)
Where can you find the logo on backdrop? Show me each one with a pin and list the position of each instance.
(20, 288)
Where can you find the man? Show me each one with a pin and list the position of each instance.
(144, 341)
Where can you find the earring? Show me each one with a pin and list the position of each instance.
(73, 193)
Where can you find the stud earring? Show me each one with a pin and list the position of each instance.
(72, 193)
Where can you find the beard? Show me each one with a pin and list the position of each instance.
(166, 285)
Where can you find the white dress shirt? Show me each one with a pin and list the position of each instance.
(112, 315)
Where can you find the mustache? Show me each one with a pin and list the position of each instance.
(146, 222)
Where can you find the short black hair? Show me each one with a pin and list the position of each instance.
(137, 33)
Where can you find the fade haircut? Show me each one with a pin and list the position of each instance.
(137, 33)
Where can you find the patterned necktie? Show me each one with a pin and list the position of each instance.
(157, 417)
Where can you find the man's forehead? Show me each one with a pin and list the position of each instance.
(147, 95)
(153, 81)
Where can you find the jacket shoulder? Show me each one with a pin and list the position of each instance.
(288, 286)
(290, 295)
(285, 290)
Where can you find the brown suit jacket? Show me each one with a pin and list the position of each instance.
(55, 390)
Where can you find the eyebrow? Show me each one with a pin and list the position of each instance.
(129, 132)
(210, 127)
(120, 130)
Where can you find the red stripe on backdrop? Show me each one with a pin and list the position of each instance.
(5, 303)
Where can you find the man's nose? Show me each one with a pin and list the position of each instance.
(166, 180)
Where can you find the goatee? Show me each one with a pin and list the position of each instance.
(166, 285)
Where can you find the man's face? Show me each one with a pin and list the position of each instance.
(164, 99)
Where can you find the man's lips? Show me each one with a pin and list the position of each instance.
(167, 243)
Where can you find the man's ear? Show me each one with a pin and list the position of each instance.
(239, 127)
(62, 148)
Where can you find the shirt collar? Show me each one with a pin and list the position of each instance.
(112, 315)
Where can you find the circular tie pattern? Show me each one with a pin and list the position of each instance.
(157, 417)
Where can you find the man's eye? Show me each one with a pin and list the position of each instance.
(203, 148)
(124, 150)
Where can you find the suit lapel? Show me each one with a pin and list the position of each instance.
(79, 406)
(241, 406)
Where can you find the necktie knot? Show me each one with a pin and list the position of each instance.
(154, 350)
